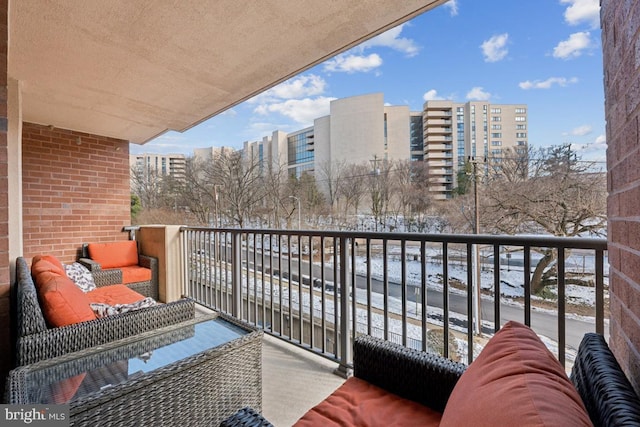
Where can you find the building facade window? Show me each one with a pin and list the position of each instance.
(521, 111)
(521, 119)
(496, 118)
(521, 127)
(496, 110)
(496, 127)
(496, 143)
(521, 134)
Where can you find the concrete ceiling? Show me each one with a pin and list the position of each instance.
(134, 69)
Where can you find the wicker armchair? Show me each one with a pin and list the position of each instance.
(35, 340)
(112, 276)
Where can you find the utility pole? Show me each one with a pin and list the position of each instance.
(476, 251)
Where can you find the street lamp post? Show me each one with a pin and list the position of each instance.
(297, 200)
(476, 255)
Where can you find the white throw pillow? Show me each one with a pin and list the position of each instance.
(81, 276)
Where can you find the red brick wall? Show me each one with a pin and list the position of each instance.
(621, 48)
(75, 189)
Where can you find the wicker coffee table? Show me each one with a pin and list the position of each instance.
(195, 373)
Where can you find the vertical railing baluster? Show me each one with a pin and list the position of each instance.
(345, 344)
(496, 288)
(385, 286)
(470, 299)
(403, 281)
(236, 278)
(445, 295)
(561, 306)
(599, 254)
(369, 292)
(527, 285)
(423, 288)
(323, 296)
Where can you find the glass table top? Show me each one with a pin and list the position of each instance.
(99, 368)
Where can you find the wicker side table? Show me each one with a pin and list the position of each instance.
(195, 373)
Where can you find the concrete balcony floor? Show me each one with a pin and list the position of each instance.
(293, 381)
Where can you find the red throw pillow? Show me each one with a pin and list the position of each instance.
(114, 254)
(516, 381)
(41, 263)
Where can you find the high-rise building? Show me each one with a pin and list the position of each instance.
(362, 129)
(159, 164)
(455, 133)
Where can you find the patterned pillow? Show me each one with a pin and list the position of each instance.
(103, 310)
(81, 276)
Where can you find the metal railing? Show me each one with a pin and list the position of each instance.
(318, 289)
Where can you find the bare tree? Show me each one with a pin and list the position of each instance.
(354, 186)
(242, 187)
(331, 175)
(379, 190)
(561, 195)
(146, 184)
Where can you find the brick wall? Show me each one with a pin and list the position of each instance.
(621, 49)
(75, 189)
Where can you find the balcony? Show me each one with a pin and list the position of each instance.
(260, 276)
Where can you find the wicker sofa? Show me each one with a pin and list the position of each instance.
(37, 340)
(514, 381)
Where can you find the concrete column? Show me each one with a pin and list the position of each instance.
(14, 175)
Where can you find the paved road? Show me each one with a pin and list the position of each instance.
(544, 323)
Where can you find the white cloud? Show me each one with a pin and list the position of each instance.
(453, 5)
(574, 46)
(302, 111)
(353, 63)
(580, 11)
(601, 140)
(478, 94)
(582, 130)
(297, 87)
(391, 39)
(230, 113)
(546, 84)
(431, 95)
(495, 49)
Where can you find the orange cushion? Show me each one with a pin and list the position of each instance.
(135, 273)
(114, 254)
(516, 381)
(359, 403)
(62, 302)
(114, 294)
(47, 263)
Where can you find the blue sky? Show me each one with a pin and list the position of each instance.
(544, 53)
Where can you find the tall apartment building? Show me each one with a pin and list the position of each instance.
(361, 128)
(160, 164)
(454, 132)
(357, 130)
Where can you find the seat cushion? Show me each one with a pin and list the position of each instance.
(62, 302)
(114, 254)
(113, 294)
(50, 263)
(359, 403)
(135, 273)
(516, 381)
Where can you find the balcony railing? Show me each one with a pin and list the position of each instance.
(320, 289)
